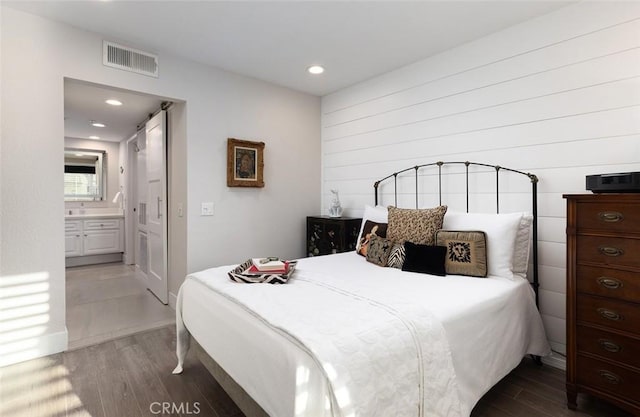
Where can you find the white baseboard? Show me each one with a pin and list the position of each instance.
(32, 348)
(92, 259)
(173, 299)
(127, 260)
(555, 361)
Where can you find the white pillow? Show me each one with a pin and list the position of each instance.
(501, 231)
(378, 214)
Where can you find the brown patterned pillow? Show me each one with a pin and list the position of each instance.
(418, 226)
(379, 250)
(466, 252)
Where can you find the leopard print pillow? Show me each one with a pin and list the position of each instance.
(418, 226)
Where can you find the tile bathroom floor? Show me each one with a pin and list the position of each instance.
(108, 301)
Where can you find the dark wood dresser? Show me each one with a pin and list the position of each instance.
(326, 235)
(603, 298)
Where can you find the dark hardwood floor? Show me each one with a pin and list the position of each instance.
(131, 377)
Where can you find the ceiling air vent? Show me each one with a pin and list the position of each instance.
(129, 59)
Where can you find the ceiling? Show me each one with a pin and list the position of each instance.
(85, 102)
(274, 41)
(277, 40)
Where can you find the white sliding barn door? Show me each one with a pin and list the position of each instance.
(156, 130)
(141, 254)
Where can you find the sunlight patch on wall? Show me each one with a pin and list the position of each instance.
(39, 386)
(24, 315)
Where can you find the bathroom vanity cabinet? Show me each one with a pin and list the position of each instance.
(89, 236)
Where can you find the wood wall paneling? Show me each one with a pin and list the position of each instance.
(558, 96)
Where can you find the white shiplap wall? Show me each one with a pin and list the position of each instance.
(558, 96)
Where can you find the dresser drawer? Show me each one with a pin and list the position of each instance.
(608, 282)
(617, 380)
(618, 217)
(72, 225)
(608, 250)
(608, 312)
(100, 224)
(608, 345)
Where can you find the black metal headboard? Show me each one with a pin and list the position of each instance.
(467, 164)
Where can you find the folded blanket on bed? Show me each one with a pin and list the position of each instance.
(380, 353)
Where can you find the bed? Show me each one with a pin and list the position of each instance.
(347, 337)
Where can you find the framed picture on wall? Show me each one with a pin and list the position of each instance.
(245, 163)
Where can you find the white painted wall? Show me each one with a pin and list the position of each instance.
(558, 96)
(177, 160)
(36, 56)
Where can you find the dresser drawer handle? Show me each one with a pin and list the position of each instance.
(610, 216)
(611, 283)
(609, 346)
(609, 314)
(609, 377)
(610, 251)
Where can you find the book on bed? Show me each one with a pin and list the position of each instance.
(253, 270)
(270, 264)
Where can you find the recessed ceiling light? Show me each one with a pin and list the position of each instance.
(315, 69)
(113, 102)
(96, 124)
(79, 154)
(94, 137)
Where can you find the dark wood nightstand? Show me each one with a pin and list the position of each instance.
(327, 235)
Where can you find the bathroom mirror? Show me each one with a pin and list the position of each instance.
(84, 175)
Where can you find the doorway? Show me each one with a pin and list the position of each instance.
(107, 301)
(108, 284)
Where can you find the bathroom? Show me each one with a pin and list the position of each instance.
(93, 198)
(107, 276)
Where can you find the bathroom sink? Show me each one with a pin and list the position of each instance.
(85, 213)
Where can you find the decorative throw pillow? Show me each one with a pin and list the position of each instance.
(466, 252)
(369, 230)
(397, 255)
(425, 259)
(522, 246)
(501, 231)
(379, 249)
(415, 225)
(377, 214)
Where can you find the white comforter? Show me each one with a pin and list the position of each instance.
(362, 340)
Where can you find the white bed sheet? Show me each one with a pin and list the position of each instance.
(490, 325)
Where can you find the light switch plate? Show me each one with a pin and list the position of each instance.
(207, 209)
